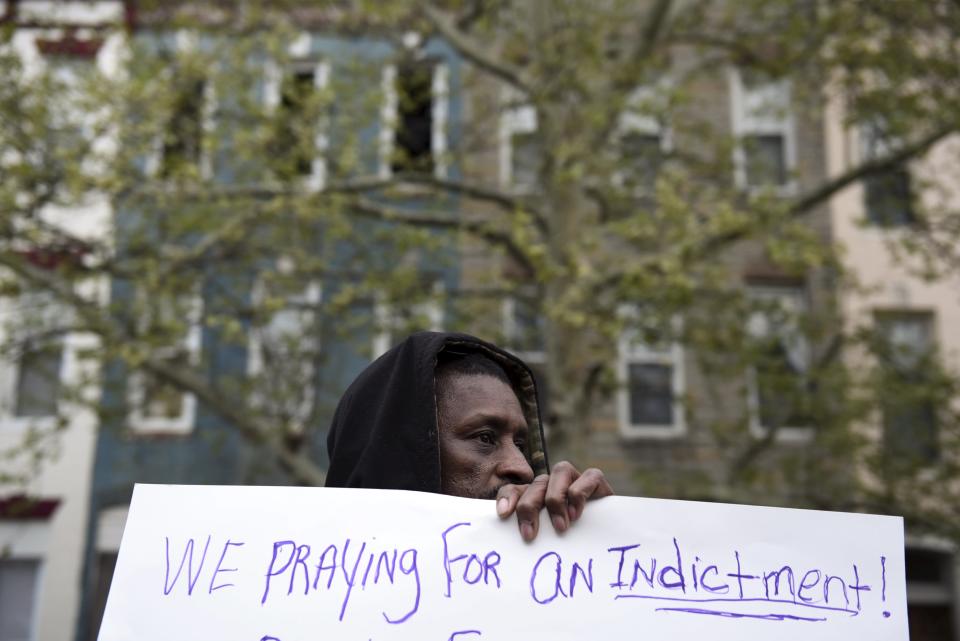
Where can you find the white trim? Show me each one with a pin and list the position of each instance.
(439, 114)
(513, 121)
(630, 351)
(764, 111)
(24, 540)
(110, 524)
(440, 106)
(633, 122)
(388, 120)
(184, 422)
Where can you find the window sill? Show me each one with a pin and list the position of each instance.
(652, 432)
(786, 434)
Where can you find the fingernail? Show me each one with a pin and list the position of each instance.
(572, 513)
(558, 523)
(502, 506)
(526, 531)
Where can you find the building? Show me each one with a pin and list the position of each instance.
(44, 501)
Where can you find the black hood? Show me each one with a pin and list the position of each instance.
(384, 431)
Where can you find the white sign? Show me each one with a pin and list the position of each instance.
(304, 564)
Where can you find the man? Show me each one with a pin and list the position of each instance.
(452, 414)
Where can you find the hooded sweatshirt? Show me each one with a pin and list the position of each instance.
(384, 431)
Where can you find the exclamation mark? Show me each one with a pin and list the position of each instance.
(883, 587)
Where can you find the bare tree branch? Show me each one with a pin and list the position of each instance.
(474, 51)
(300, 468)
(478, 228)
(502, 199)
(652, 30)
(801, 206)
(97, 320)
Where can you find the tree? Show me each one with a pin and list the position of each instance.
(612, 230)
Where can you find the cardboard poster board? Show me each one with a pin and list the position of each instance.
(303, 564)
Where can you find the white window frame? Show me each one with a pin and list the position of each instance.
(759, 113)
(785, 433)
(184, 42)
(184, 423)
(312, 294)
(633, 122)
(631, 351)
(513, 120)
(390, 114)
(10, 375)
(299, 50)
(385, 319)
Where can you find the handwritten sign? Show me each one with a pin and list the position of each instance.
(302, 564)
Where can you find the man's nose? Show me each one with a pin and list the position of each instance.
(514, 467)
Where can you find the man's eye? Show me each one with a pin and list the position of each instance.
(487, 438)
(521, 443)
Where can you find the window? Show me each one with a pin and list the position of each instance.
(299, 135)
(525, 161)
(393, 321)
(284, 350)
(155, 405)
(906, 352)
(179, 148)
(415, 110)
(887, 196)
(764, 159)
(19, 581)
(643, 140)
(521, 153)
(524, 332)
(778, 383)
(38, 380)
(31, 376)
(183, 136)
(642, 157)
(651, 388)
(930, 593)
(763, 125)
(110, 525)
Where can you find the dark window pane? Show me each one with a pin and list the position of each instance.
(526, 160)
(38, 381)
(106, 563)
(888, 199)
(930, 622)
(183, 137)
(18, 580)
(414, 135)
(765, 160)
(910, 430)
(160, 399)
(294, 143)
(641, 158)
(781, 388)
(651, 394)
(528, 327)
(905, 349)
(926, 566)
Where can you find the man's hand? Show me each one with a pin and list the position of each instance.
(564, 492)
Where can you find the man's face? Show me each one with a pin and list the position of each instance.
(483, 435)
